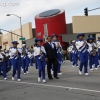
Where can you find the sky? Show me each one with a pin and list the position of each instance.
(28, 9)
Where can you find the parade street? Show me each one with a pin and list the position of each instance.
(70, 86)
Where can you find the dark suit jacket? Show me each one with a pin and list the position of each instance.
(50, 53)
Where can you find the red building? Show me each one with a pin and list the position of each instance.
(51, 22)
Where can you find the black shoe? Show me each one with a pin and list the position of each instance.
(50, 78)
(56, 77)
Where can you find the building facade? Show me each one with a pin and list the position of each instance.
(89, 25)
(51, 22)
(55, 23)
(7, 38)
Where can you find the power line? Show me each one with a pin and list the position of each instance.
(10, 32)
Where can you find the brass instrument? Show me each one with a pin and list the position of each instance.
(68, 49)
(31, 49)
(75, 47)
(24, 51)
(4, 57)
(97, 46)
(94, 50)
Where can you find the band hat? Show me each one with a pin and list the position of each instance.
(80, 34)
(15, 42)
(54, 35)
(90, 38)
(38, 39)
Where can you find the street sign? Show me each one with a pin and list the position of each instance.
(22, 39)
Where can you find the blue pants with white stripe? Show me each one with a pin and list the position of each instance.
(59, 56)
(83, 62)
(31, 61)
(16, 67)
(3, 68)
(9, 63)
(75, 59)
(41, 66)
(25, 63)
(93, 60)
(96, 58)
(99, 53)
(36, 65)
(71, 58)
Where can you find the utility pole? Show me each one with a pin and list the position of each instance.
(86, 10)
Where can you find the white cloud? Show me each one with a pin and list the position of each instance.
(27, 9)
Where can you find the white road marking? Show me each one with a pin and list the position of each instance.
(55, 86)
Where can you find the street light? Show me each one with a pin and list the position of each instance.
(20, 21)
(86, 11)
(10, 32)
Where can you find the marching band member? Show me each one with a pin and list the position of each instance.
(70, 51)
(93, 54)
(74, 54)
(81, 46)
(9, 60)
(39, 53)
(15, 60)
(25, 60)
(58, 47)
(36, 66)
(98, 46)
(2, 64)
(31, 56)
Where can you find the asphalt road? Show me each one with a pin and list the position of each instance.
(70, 86)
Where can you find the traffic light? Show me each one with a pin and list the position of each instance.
(86, 11)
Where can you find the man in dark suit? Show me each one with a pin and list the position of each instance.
(51, 57)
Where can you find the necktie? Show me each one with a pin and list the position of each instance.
(51, 45)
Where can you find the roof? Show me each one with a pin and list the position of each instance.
(49, 13)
